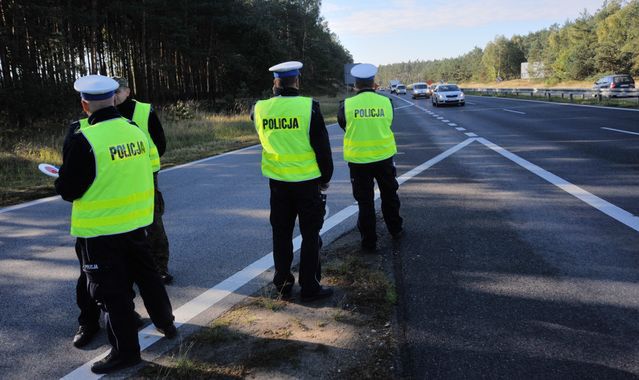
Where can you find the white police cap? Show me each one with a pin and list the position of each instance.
(364, 71)
(95, 87)
(286, 69)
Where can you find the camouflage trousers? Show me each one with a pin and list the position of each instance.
(156, 234)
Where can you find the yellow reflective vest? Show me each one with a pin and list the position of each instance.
(283, 125)
(368, 136)
(121, 197)
(141, 114)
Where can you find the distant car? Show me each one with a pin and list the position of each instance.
(420, 90)
(613, 82)
(400, 89)
(447, 94)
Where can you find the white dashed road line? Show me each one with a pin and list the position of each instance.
(460, 129)
(470, 134)
(513, 111)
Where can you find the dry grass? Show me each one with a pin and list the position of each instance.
(346, 337)
(192, 133)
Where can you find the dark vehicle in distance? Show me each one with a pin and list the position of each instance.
(614, 82)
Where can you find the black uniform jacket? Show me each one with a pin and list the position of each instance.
(341, 115)
(155, 127)
(77, 172)
(318, 136)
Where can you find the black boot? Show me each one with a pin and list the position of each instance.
(84, 335)
(115, 361)
(322, 292)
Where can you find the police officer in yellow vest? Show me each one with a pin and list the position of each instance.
(145, 117)
(369, 147)
(296, 157)
(106, 173)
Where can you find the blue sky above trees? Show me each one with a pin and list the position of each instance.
(387, 31)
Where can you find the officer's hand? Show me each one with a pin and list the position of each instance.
(323, 186)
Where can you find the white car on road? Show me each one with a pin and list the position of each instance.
(400, 89)
(420, 90)
(447, 94)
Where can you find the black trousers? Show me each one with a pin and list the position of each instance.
(290, 200)
(89, 309)
(110, 266)
(156, 233)
(362, 177)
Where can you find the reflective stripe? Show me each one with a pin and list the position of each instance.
(289, 170)
(113, 220)
(289, 156)
(367, 143)
(368, 153)
(115, 202)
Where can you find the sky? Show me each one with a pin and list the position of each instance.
(390, 31)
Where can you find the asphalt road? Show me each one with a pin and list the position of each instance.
(217, 223)
(501, 272)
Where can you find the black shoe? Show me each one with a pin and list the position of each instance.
(84, 335)
(167, 279)
(169, 332)
(113, 362)
(286, 289)
(322, 292)
(397, 234)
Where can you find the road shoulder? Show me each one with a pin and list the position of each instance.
(347, 336)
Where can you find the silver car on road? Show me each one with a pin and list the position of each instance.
(447, 94)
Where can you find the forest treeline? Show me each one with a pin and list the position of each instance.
(169, 49)
(603, 43)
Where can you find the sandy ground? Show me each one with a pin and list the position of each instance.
(349, 336)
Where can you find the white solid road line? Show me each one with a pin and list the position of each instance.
(399, 108)
(513, 111)
(607, 208)
(564, 104)
(209, 298)
(28, 204)
(621, 130)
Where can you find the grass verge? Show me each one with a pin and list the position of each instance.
(345, 337)
(192, 133)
